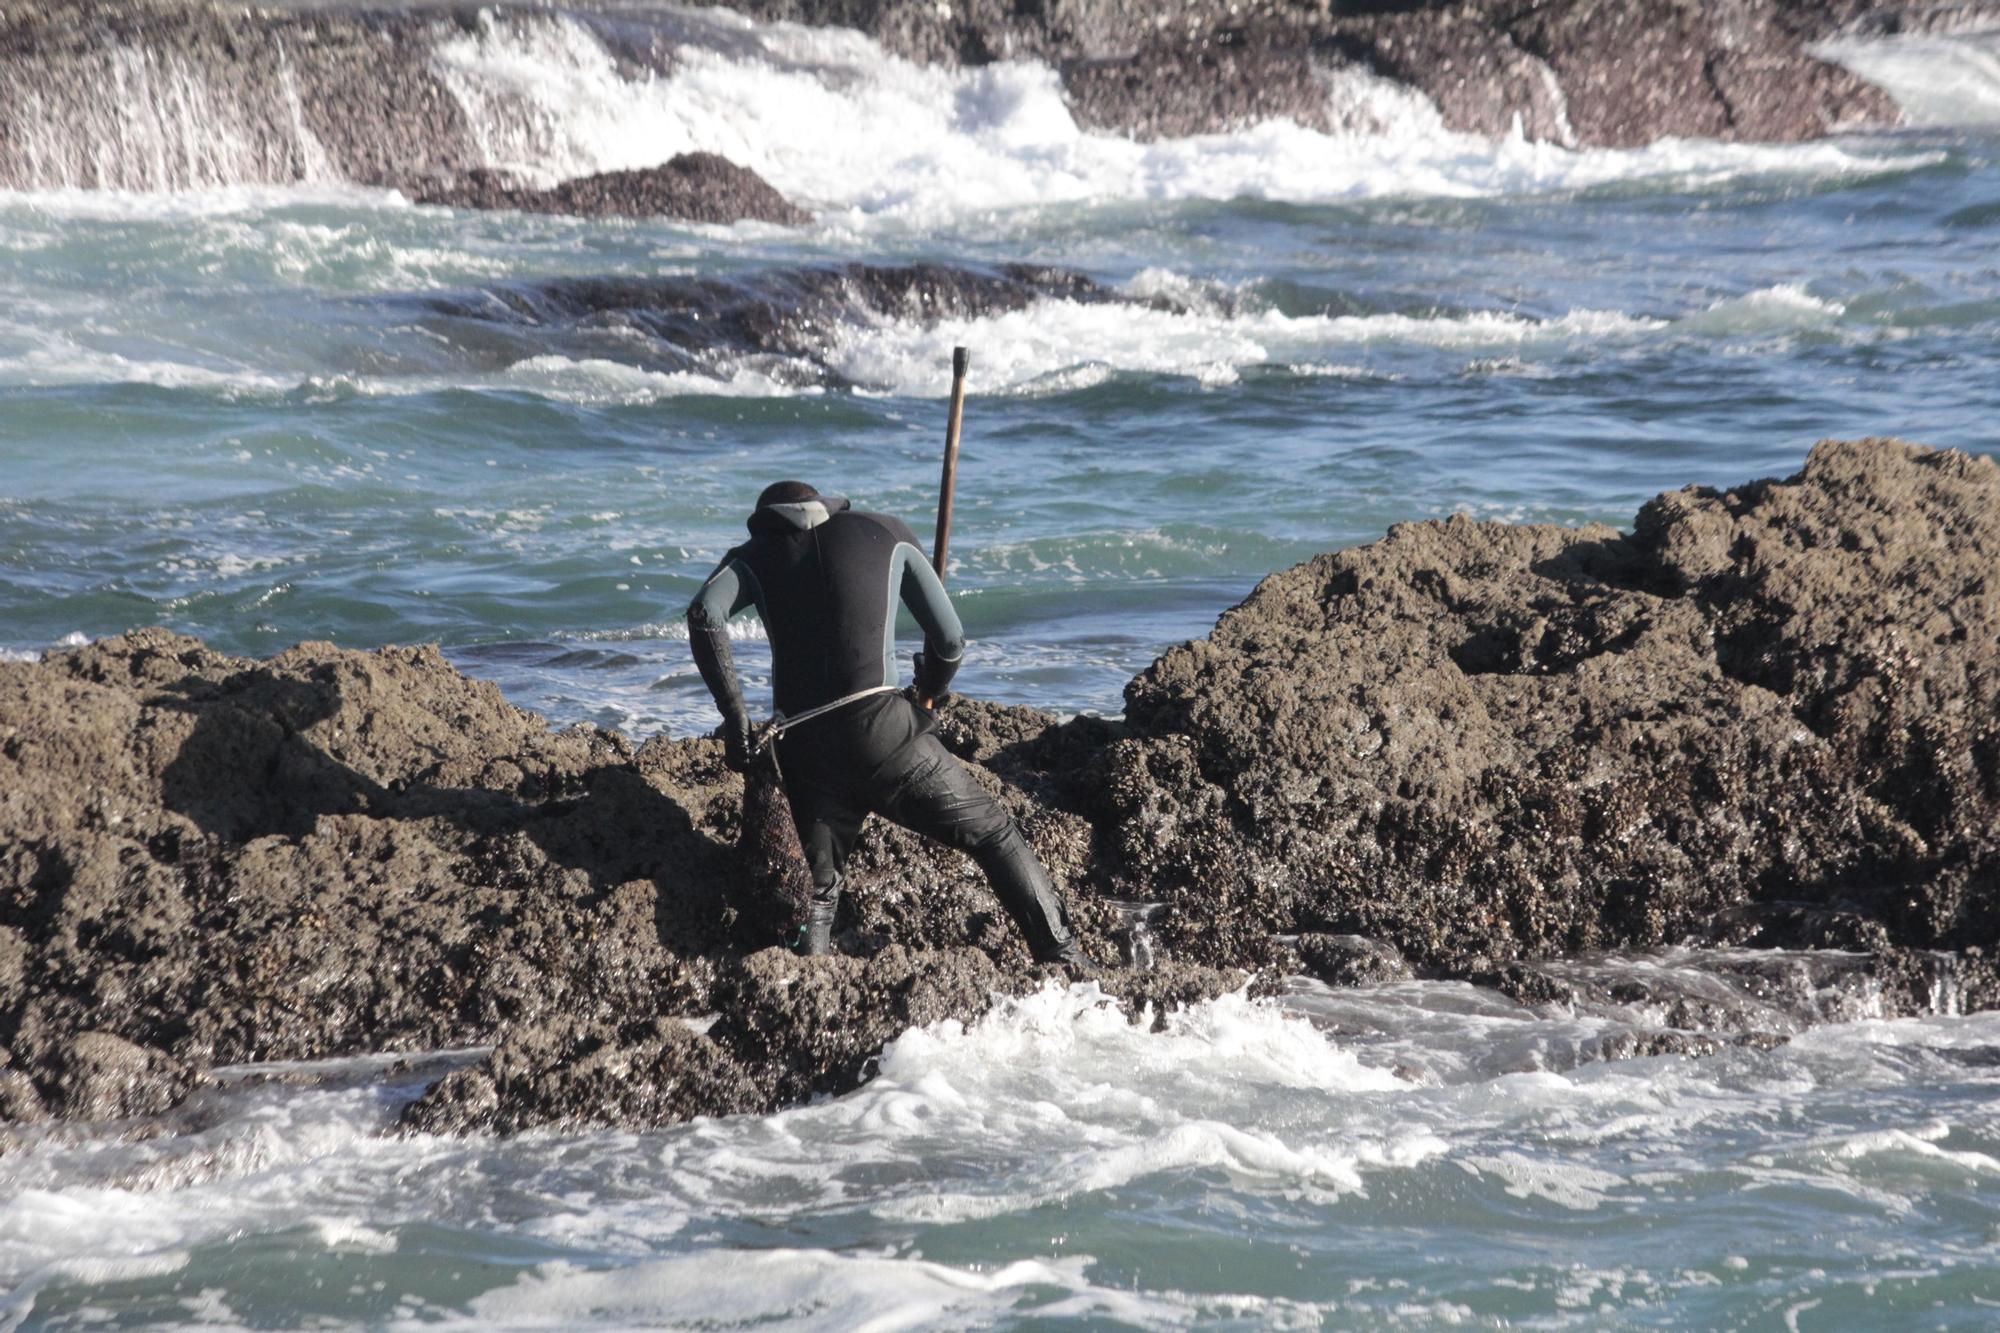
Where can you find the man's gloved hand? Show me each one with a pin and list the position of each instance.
(932, 678)
(736, 747)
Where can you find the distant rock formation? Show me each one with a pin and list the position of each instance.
(694, 187)
(1769, 716)
(1587, 73)
(181, 94)
(177, 94)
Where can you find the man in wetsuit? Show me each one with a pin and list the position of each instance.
(826, 578)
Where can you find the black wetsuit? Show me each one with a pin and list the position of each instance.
(826, 578)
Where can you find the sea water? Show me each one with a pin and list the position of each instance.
(240, 412)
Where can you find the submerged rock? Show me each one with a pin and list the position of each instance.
(694, 187)
(1351, 960)
(786, 322)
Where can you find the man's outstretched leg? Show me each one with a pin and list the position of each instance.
(940, 799)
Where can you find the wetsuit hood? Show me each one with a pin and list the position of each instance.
(794, 515)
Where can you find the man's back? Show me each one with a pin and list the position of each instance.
(825, 578)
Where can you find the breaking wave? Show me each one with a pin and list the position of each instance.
(826, 115)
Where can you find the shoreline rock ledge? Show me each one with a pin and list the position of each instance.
(1767, 716)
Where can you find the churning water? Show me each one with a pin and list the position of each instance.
(264, 414)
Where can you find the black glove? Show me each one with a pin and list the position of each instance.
(736, 748)
(932, 677)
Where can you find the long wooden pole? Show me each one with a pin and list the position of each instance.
(961, 361)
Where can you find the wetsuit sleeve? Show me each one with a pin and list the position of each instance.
(944, 637)
(730, 589)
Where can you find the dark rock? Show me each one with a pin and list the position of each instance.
(1785, 925)
(1170, 985)
(813, 1025)
(1589, 73)
(694, 187)
(1351, 960)
(96, 1076)
(231, 93)
(1175, 91)
(566, 1072)
(787, 322)
(281, 96)
(1478, 77)
(1631, 74)
(1526, 984)
(1637, 1043)
(1484, 742)
(1767, 716)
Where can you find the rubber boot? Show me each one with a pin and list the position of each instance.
(816, 937)
(1025, 890)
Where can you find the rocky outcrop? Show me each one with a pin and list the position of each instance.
(1480, 742)
(212, 860)
(1767, 717)
(693, 187)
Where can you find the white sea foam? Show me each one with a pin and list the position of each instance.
(832, 120)
(597, 381)
(792, 1289)
(1044, 347)
(1935, 79)
(1236, 1109)
(59, 359)
(211, 202)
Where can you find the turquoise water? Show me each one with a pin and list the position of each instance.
(264, 414)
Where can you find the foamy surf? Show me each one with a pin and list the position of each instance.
(995, 1172)
(1937, 80)
(862, 136)
(1050, 347)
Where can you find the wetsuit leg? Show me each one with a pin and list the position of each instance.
(828, 826)
(936, 796)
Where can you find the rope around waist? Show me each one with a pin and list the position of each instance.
(781, 724)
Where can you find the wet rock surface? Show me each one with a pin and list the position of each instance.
(787, 1029)
(784, 322)
(694, 187)
(1766, 717)
(1352, 960)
